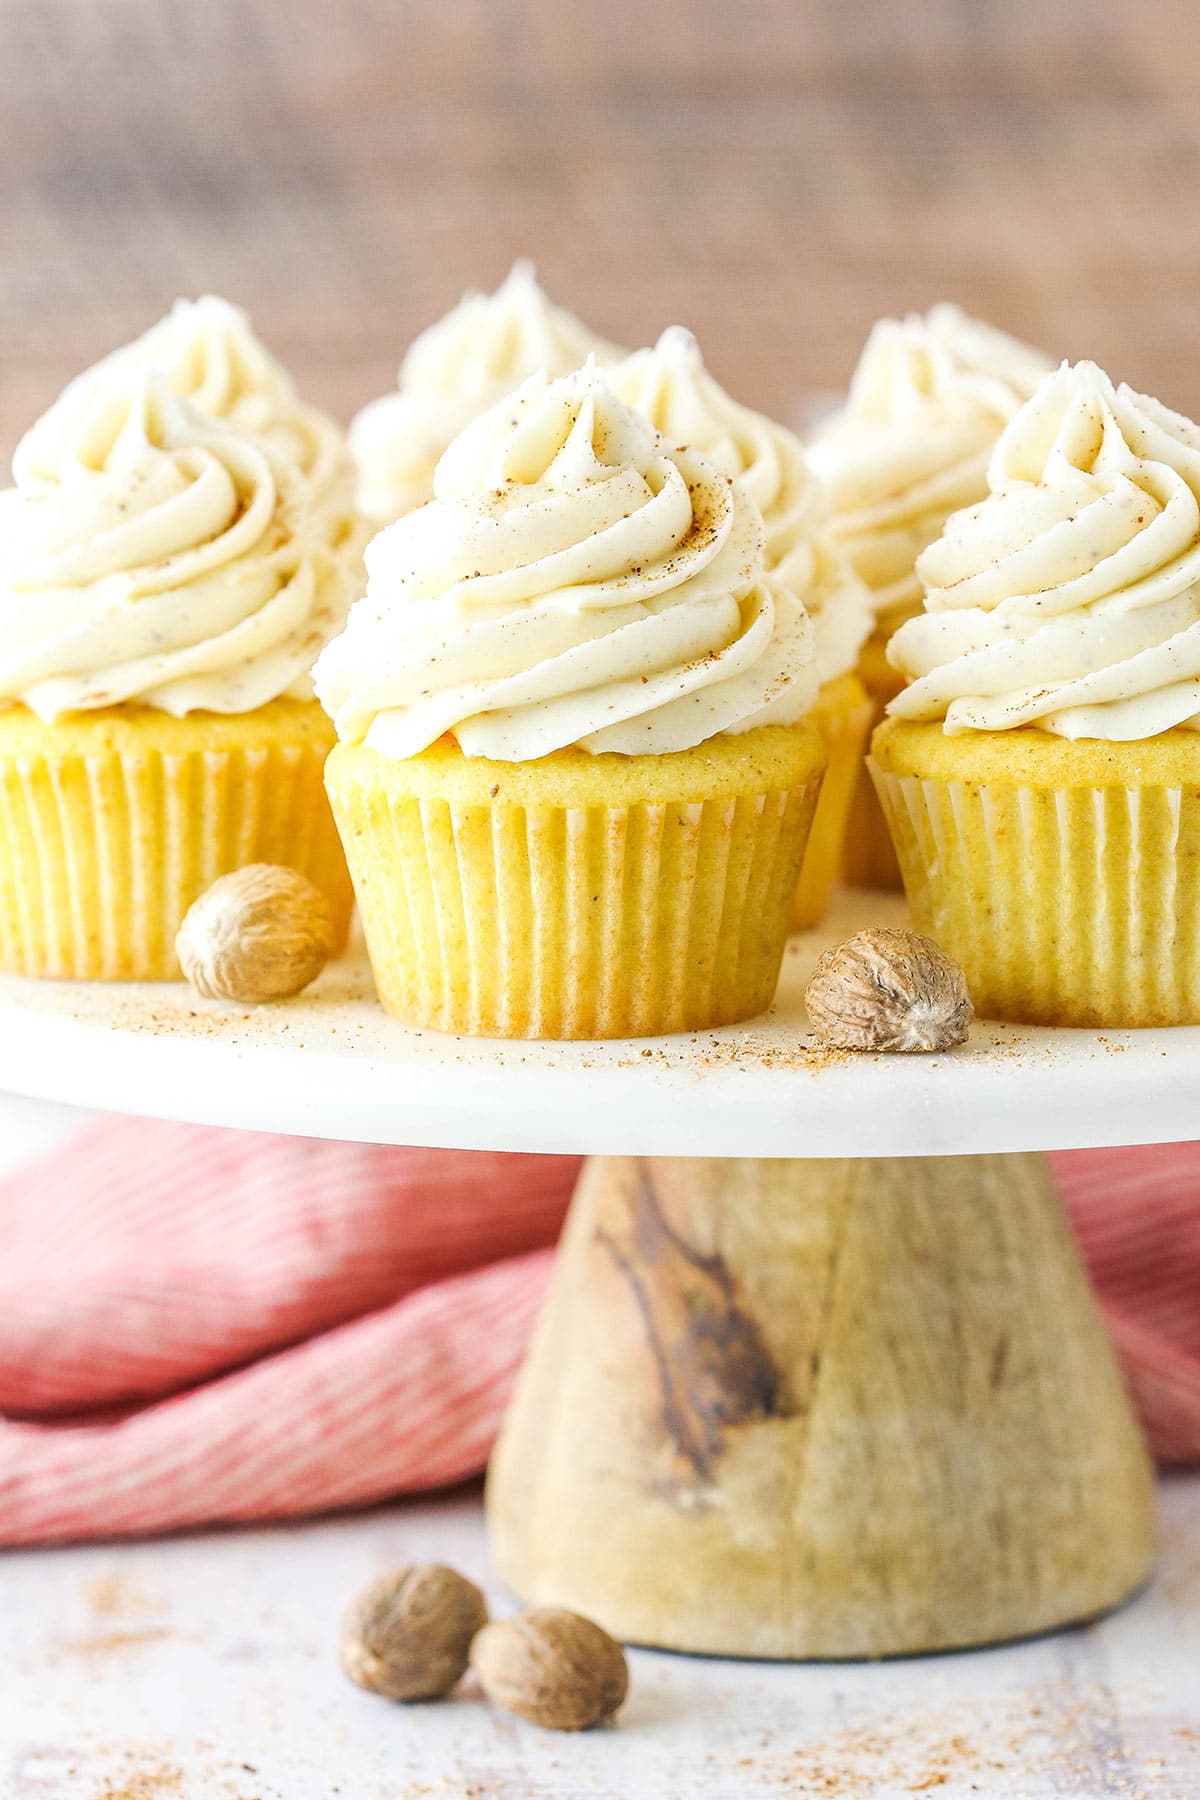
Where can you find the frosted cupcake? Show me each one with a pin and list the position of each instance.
(670, 385)
(206, 352)
(930, 396)
(1041, 771)
(166, 580)
(575, 777)
(458, 368)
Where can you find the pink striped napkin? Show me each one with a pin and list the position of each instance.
(202, 1325)
(1137, 1216)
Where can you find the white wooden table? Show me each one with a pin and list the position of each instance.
(205, 1666)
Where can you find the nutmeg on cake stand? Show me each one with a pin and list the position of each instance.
(820, 1373)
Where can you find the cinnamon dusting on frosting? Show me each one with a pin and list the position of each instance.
(577, 580)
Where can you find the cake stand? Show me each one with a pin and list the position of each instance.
(820, 1373)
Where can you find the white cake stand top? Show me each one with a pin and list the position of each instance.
(330, 1064)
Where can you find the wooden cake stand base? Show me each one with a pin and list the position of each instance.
(821, 1409)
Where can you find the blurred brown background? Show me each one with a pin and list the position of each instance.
(773, 174)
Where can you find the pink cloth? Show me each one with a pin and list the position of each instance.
(199, 1325)
(1137, 1216)
(204, 1325)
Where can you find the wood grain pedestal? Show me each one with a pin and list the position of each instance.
(821, 1409)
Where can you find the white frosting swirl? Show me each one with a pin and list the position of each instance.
(206, 352)
(670, 386)
(838, 604)
(1070, 598)
(927, 402)
(577, 580)
(458, 368)
(149, 552)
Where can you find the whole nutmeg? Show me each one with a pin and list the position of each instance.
(408, 1635)
(261, 933)
(552, 1667)
(889, 990)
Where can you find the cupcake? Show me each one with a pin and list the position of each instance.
(166, 580)
(1040, 770)
(927, 402)
(575, 774)
(458, 368)
(672, 388)
(206, 351)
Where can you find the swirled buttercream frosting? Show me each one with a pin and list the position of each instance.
(1069, 599)
(670, 386)
(458, 368)
(927, 402)
(576, 580)
(207, 353)
(150, 552)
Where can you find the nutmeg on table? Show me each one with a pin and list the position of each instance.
(552, 1667)
(408, 1635)
(411, 1634)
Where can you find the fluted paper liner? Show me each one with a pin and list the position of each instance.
(844, 713)
(577, 896)
(869, 861)
(1070, 905)
(113, 822)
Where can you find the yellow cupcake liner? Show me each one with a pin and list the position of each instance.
(578, 896)
(113, 822)
(1068, 898)
(869, 861)
(844, 713)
